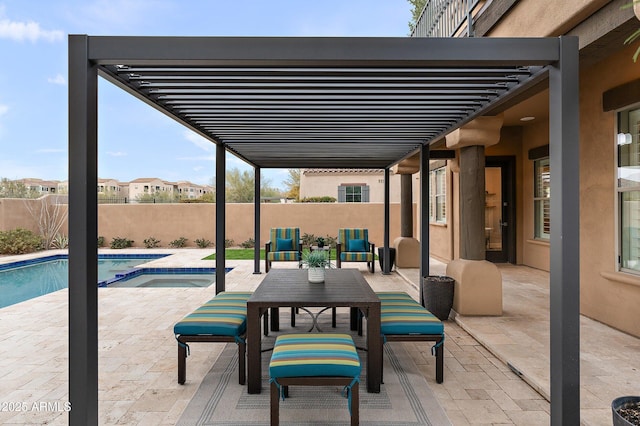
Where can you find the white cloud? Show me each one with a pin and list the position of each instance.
(58, 79)
(117, 153)
(199, 141)
(29, 30)
(3, 109)
(198, 168)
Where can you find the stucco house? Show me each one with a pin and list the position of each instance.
(518, 178)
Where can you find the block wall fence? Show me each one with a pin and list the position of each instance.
(167, 222)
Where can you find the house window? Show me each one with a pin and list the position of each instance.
(353, 193)
(437, 195)
(629, 188)
(542, 199)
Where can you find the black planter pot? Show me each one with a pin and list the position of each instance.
(392, 256)
(438, 295)
(624, 402)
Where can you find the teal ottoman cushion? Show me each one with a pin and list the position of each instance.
(314, 355)
(224, 315)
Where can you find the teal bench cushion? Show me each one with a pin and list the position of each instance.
(283, 255)
(401, 314)
(314, 355)
(224, 315)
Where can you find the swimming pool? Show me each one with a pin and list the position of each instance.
(20, 281)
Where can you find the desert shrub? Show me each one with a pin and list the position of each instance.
(250, 243)
(19, 241)
(228, 243)
(120, 243)
(151, 242)
(203, 242)
(307, 239)
(179, 243)
(101, 241)
(323, 199)
(60, 241)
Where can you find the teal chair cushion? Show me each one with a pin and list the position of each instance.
(284, 244)
(356, 245)
(314, 355)
(401, 314)
(224, 315)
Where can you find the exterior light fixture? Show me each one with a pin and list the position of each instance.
(624, 138)
(528, 118)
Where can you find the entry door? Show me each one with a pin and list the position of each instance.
(500, 229)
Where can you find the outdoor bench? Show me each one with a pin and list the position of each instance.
(221, 319)
(405, 320)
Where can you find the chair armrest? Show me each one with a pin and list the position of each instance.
(372, 248)
(267, 246)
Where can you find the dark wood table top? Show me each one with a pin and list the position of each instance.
(290, 287)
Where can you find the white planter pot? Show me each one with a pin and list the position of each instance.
(316, 275)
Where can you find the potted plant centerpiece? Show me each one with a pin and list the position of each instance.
(320, 241)
(316, 261)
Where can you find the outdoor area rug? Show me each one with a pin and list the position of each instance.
(405, 397)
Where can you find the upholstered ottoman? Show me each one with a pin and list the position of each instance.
(314, 360)
(221, 319)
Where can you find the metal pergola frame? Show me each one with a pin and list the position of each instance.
(327, 103)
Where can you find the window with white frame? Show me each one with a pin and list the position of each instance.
(542, 199)
(628, 143)
(353, 193)
(438, 195)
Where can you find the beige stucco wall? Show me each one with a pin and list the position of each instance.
(606, 295)
(531, 18)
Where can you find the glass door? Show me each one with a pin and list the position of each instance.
(499, 209)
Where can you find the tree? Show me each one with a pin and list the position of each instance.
(416, 10)
(15, 189)
(292, 184)
(50, 213)
(240, 187)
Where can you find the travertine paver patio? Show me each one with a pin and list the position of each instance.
(137, 353)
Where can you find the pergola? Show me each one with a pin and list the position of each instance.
(323, 103)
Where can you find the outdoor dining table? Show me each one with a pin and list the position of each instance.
(291, 288)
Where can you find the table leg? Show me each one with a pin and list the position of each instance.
(254, 349)
(275, 319)
(374, 349)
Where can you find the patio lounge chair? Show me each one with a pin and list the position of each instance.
(354, 246)
(284, 245)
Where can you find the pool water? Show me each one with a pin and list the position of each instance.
(168, 280)
(35, 278)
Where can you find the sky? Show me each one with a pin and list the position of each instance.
(136, 140)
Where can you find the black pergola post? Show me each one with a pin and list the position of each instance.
(564, 286)
(256, 222)
(424, 216)
(83, 232)
(220, 217)
(386, 270)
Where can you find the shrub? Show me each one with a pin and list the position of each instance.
(324, 199)
(308, 239)
(250, 243)
(120, 243)
(179, 243)
(151, 242)
(101, 241)
(19, 241)
(203, 243)
(60, 241)
(228, 243)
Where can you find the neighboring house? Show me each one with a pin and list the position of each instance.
(145, 186)
(518, 176)
(188, 190)
(40, 186)
(348, 185)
